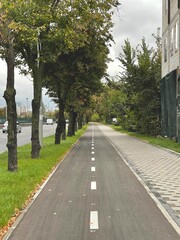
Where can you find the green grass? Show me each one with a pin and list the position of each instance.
(16, 188)
(159, 141)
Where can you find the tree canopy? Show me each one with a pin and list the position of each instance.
(44, 31)
(135, 99)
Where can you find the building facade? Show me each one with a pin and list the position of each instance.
(170, 35)
(170, 82)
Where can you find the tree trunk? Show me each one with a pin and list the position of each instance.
(35, 151)
(9, 95)
(75, 123)
(61, 123)
(64, 130)
(72, 123)
(70, 127)
(80, 120)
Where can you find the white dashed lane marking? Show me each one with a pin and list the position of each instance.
(93, 185)
(93, 169)
(94, 225)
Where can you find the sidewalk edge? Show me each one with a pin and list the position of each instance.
(158, 203)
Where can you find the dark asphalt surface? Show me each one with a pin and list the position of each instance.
(123, 209)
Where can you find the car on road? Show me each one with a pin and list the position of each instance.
(5, 127)
(49, 121)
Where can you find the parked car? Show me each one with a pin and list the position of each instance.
(19, 128)
(49, 121)
(5, 127)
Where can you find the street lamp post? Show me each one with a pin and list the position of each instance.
(40, 111)
(26, 107)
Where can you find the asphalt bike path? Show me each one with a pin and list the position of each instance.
(93, 195)
(157, 168)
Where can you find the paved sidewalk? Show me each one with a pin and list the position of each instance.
(158, 168)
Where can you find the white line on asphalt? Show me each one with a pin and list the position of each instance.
(92, 152)
(93, 185)
(92, 148)
(92, 159)
(94, 220)
(93, 169)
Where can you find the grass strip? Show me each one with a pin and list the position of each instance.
(16, 188)
(158, 141)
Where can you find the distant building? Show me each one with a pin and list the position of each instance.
(170, 82)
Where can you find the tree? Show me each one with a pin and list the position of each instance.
(82, 63)
(140, 83)
(7, 52)
(73, 74)
(110, 103)
(59, 26)
(20, 30)
(44, 29)
(35, 17)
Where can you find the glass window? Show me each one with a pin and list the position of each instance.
(165, 49)
(172, 42)
(166, 5)
(176, 39)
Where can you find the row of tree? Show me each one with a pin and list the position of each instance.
(135, 99)
(64, 46)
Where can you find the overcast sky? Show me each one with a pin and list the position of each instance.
(134, 20)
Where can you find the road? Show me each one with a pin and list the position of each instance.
(93, 195)
(25, 136)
